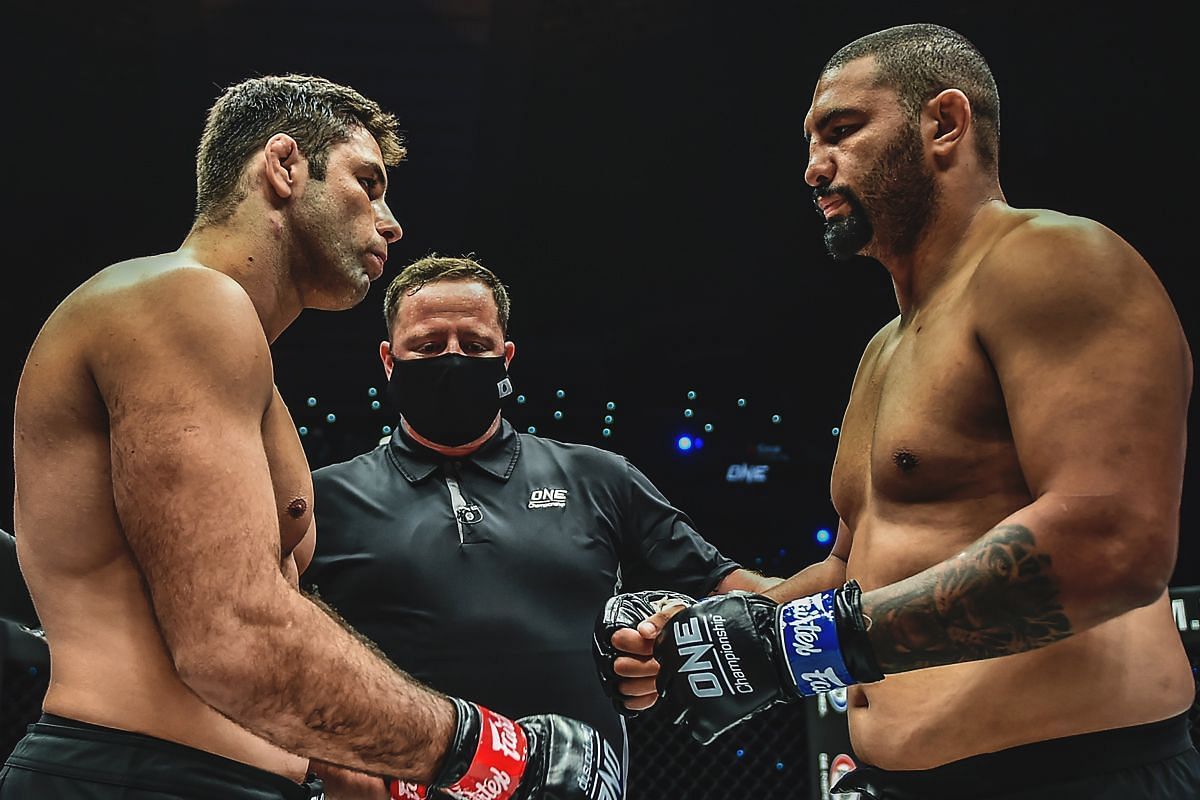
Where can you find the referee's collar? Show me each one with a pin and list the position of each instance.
(416, 462)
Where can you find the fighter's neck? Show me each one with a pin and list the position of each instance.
(255, 259)
(948, 244)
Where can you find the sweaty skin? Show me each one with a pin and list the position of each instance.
(164, 502)
(931, 388)
(111, 666)
(1009, 467)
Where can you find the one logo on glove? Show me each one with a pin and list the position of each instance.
(693, 645)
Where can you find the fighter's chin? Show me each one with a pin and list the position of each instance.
(351, 294)
(846, 237)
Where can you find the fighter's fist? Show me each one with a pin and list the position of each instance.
(621, 616)
(548, 756)
(729, 657)
(568, 760)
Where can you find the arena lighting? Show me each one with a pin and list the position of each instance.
(824, 536)
(684, 443)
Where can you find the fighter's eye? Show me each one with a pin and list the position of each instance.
(838, 132)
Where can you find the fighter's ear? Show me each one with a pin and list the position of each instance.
(950, 110)
(281, 156)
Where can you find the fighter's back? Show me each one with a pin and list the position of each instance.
(109, 663)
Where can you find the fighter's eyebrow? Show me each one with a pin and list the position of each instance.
(825, 119)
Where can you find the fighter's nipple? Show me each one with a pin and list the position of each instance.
(906, 460)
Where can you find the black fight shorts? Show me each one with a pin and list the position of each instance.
(1157, 761)
(62, 759)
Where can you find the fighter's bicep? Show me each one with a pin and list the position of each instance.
(1089, 356)
(191, 483)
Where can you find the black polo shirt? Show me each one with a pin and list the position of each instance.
(483, 576)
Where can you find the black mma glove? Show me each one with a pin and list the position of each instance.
(547, 756)
(624, 611)
(729, 657)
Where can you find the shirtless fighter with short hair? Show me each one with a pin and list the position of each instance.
(1008, 478)
(164, 505)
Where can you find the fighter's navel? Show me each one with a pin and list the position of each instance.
(297, 507)
(906, 460)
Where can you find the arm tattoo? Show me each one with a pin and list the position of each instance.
(996, 598)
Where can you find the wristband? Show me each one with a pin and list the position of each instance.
(852, 627)
(498, 761)
(808, 634)
(486, 759)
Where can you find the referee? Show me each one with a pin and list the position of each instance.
(475, 557)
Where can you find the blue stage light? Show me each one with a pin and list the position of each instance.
(684, 443)
(824, 536)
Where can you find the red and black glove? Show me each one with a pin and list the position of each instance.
(492, 757)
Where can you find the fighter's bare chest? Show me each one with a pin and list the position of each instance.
(291, 479)
(925, 421)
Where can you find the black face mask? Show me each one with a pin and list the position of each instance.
(451, 399)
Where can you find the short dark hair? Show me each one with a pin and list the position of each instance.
(920, 60)
(434, 268)
(314, 111)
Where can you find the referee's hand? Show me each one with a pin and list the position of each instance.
(635, 665)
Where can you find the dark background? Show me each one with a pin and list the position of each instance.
(633, 169)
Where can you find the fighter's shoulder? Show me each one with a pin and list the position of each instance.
(163, 290)
(1040, 252)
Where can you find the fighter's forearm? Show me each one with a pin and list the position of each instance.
(747, 581)
(303, 680)
(815, 578)
(998, 597)
(343, 784)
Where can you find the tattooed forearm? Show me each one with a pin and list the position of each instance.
(997, 598)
